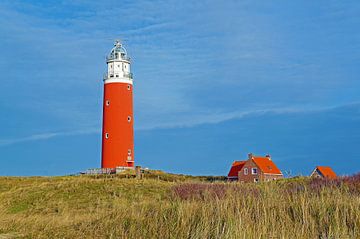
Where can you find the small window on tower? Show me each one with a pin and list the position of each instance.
(128, 87)
(117, 75)
(107, 135)
(128, 118)
(107, 102)
(129, 152)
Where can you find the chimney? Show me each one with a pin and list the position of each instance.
(268, 156)
(250, 155)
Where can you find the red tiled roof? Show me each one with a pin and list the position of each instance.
(327, 172)
(235, 168)
(266, 165)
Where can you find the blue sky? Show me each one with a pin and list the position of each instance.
(214, 80)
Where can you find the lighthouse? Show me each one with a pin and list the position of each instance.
(118, 129)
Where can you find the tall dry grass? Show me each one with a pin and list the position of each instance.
(89, 207)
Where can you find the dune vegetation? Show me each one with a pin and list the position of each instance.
(175, 206)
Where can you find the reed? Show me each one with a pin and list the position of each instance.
(115, 207)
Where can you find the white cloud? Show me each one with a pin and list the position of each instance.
(46, 136)
(218, 117)
(183, 53)
(201, 119)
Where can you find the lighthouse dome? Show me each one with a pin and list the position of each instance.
(118, 52)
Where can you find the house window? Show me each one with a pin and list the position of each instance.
(128, 118)
(254, 171)
(246, 171)
(117, 75)
(256, 180)
(107, 135)
(107, 102)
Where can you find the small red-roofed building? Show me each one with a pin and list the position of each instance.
(323, 172)
(255, 169)
(233, 174)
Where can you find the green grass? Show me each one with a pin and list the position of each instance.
(174, 206)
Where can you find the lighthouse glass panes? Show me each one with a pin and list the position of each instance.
(117, 118)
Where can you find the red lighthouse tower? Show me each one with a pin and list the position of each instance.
(118, 130)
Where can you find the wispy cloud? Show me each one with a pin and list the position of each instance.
(219, 117)
(46, 136)
(195, 63)
(183, 54)
(201, 119)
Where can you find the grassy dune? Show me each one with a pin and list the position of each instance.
(171, 206)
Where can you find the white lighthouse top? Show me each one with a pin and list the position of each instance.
(118, 65)
(118, 52)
